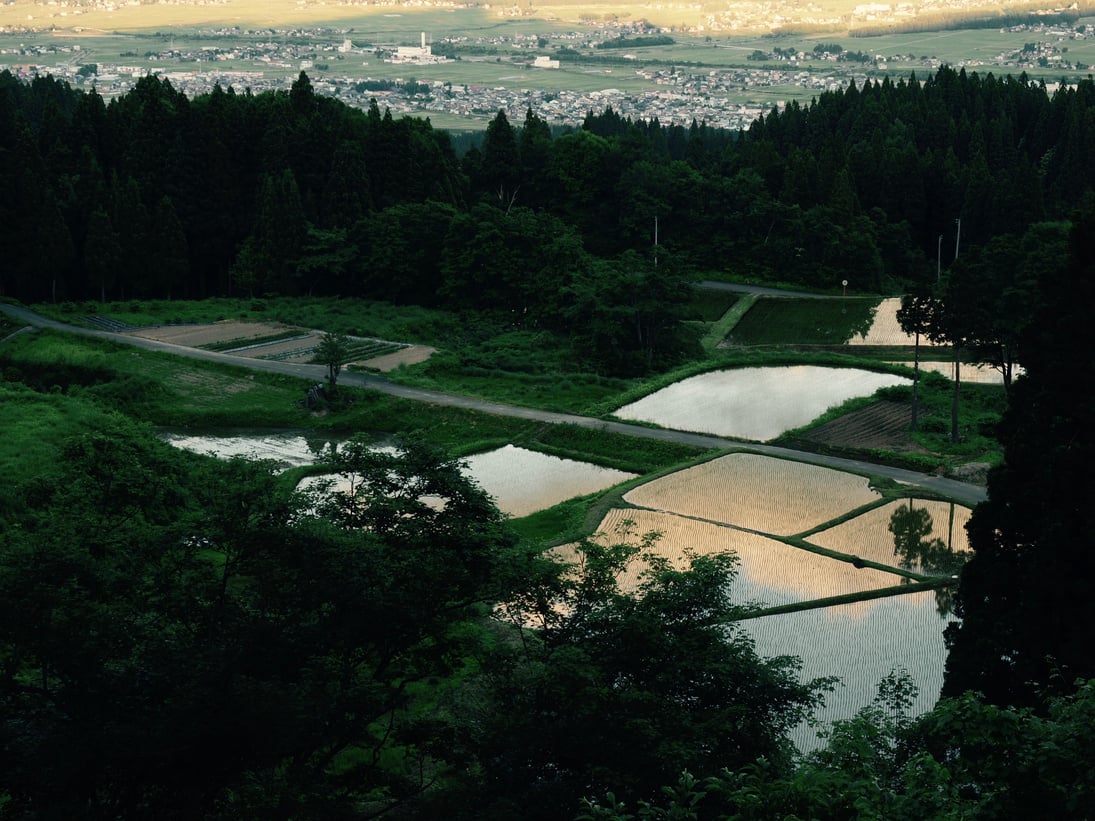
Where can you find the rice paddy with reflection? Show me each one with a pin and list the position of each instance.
(524, 481)
(860, 643)
(870, 537)
(519, 481)
(755, 403)
(757, 492)
(770, 573)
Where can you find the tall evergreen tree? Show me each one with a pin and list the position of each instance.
(1026, 627)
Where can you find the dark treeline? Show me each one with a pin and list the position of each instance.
(291, 192)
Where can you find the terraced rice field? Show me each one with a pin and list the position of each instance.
(860, 643)
(755, 403)
(868, 535)
(885, 329)
(770, 573)
(757, 492)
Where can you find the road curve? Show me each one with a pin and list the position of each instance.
(958, 491)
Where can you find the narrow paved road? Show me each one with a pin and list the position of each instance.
(712, 285)
(959, 491)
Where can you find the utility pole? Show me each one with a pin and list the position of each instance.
(939, 259)
(655, 241)
(958, 235)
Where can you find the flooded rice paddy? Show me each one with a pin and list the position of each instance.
(885, 329)
(770, 573)
(918, 534)
(757, 492)
(755, 403)
(860, 643)
(520, 481)
(738, 503)
(523, 481)
(701, 510)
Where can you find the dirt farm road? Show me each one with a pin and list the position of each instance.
(958, 491)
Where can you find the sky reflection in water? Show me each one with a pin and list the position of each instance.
(755, 403)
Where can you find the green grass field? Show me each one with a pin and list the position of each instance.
(789, 321)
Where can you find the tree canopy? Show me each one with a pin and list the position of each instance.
(864, 179)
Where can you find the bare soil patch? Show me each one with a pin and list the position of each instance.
(231, 330)
(411, 355)
(883, 425)
(194, 336)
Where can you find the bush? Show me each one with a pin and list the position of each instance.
(934, 424)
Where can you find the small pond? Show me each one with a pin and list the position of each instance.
(755, 403)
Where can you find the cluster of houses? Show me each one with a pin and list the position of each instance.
(729, 98)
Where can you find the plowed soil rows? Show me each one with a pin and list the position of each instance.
(881, 425)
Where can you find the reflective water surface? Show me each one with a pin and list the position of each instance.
(520, 481)
(861, 643)
(288, 448)
(922, 535)
(770, 573)
(731, 503)
(757, 492)
(755, 403)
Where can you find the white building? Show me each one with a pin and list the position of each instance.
(421, 55)
(545, 62)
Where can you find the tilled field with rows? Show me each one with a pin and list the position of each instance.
(883, 425)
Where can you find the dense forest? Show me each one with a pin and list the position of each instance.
(181, 638)
(292, 192)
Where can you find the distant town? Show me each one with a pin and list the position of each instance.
(724, 97)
